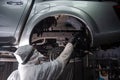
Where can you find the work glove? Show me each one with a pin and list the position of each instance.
(75, 39)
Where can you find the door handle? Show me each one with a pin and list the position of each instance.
(14, 3)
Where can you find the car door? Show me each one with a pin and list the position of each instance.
(11, 12)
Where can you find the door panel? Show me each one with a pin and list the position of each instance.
(10, 15)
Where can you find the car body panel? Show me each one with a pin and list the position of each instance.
(100, 18)
(11, 12)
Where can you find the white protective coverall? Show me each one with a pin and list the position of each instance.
(35, 70)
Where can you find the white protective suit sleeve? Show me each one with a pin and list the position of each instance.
(14, 75)
(66, 53)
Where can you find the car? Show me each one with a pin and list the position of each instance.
(49, 24)
(19, 18)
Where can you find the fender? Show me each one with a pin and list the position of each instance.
(81, 15)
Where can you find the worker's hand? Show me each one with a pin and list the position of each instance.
(75, 39)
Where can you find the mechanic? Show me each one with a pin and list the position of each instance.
(33, 64)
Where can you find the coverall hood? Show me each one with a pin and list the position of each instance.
(24, 53)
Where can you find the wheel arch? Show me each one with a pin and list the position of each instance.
(77, 13)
